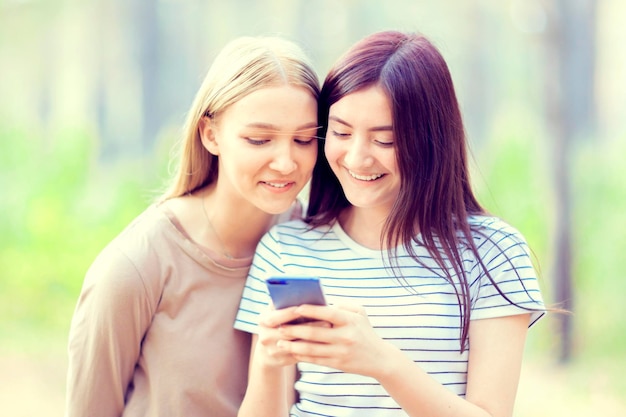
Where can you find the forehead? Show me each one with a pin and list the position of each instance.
(369, 106)
(283, 107)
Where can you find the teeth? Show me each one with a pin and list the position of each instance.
(365, 177)
(277, 185)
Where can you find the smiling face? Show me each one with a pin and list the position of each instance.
(360, 149)
(266, 146)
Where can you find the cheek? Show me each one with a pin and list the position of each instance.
(331, 151)
(335, 152)
(305, 161)
(243, 161)
(392, 164)
(312, 158)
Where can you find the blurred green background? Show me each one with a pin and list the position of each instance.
(93, 94)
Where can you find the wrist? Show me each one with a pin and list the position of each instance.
(269, 360)
(393, 363)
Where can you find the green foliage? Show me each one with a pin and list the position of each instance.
(514, 189)
(512, 183)
(56, 215)
(517, 185)
(600, 241)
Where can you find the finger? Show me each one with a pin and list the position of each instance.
(317, 332)
(306, 349)
(335, 315)
(276, 318)
(316, 313)
(319, 323)
(268, 347)
(353, 308)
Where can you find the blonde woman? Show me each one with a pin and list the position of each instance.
(152, 334)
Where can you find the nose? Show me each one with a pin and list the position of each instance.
(358, 154)
(283, 160)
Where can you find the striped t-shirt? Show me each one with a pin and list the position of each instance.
(418, 313)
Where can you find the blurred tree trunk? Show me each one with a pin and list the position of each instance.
(480, 79)
(571, 117)
(101, 32)
(146, 31)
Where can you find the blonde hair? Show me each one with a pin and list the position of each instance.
(243, 66)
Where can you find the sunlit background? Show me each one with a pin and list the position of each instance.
(92, 98)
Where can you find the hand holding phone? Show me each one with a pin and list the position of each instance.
(289, 291)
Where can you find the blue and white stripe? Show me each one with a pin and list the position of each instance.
(419, 314)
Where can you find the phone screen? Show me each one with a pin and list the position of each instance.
(291, 291)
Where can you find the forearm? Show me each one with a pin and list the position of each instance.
(493, 373)
(270, 386)
(419, 394)
(269, 392)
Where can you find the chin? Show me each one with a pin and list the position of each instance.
(276, 208)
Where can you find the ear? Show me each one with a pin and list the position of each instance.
(206, 129)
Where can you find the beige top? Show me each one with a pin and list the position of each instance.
(152, 334)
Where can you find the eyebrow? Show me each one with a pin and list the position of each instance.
(372, 129)
(269, 126)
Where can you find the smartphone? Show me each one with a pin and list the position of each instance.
(288, 291)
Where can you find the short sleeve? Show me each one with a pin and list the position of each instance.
(511, 287)
(105, 336)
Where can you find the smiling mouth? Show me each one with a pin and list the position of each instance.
(277, 184)
(365, 177)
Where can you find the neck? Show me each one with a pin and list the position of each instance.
(236, 227)
(364, 226)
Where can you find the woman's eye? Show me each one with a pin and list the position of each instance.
(339, 134)
(384, 143)
(304, 141)
(256, 141)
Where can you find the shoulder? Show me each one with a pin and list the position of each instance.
(489, 232)
(503, 254)
(149, 231)
(135, 252)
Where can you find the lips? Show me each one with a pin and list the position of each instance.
(371, 177)
(277, 184)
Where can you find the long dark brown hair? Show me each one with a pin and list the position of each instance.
(435, 196)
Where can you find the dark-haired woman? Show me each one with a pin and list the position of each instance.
(430, 297)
